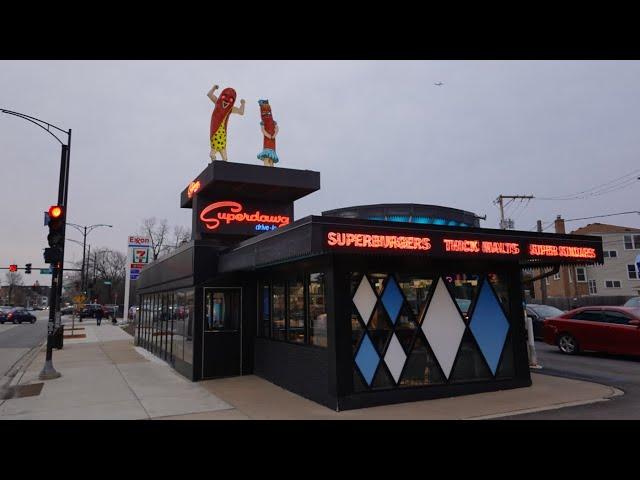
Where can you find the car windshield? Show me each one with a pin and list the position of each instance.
(545, 311)
(632, 302)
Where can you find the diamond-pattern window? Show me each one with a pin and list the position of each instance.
(395, 358)
(392, 299)
(409, 331)
(367, 359)
(365, 299)
(489, 326)
(443, 327)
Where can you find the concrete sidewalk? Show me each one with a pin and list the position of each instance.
(104, 376)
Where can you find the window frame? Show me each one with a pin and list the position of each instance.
(593, 286)
(613, 284)
(556, 276)
(584, 274)
(635, 271)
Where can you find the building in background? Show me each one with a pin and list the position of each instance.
(618, 277)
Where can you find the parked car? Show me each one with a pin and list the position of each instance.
(614, 330)
(538, 313)
(17, 315)
(68, 310)
(633, 302)
(89, 310)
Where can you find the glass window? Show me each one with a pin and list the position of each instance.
(188, 325)
(589, 315)
(593, 289)
(317, 310)
(416, 291)
(581, 275)
(610, 253)
(178, 326)
(219, 312)
(278, 331)
(631, 242)
(556, 276)
(611, 316)
(296, 311)
(155, 318)
(264, 312)
(631, 271)
(612, 283)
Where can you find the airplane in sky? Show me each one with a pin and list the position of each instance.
(438, 84)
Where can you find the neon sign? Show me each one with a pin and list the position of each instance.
(481, 246)
(193, 188)
(561, 251)
(363, 240)
(229, 212)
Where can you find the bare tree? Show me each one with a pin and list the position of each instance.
(180, 235)
(14, 279)
(111, 266)
(157, 231)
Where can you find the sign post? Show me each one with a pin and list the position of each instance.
(138, 257)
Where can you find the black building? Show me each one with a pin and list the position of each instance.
(344, 310)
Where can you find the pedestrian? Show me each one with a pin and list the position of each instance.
(114, 320)
(98, 316)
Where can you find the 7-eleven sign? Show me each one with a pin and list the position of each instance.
(140, 255)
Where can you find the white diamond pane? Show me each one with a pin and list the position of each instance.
(365, 299)
(395, 358)
(443, 327)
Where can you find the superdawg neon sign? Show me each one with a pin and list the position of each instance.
(218, 214)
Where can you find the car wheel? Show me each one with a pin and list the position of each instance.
(33, 320)
(568, 344)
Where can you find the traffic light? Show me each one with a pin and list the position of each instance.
(56, 235)
(27, 269)
(13, 268)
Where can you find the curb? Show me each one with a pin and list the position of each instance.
(614, 392)
(22, 365)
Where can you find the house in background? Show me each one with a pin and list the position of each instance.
(618, 276)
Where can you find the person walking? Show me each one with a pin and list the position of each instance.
(98, 316)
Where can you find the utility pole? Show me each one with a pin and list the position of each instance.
(543, 282)
(508, 223)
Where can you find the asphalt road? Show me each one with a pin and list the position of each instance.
(617, 371)
(17, 340)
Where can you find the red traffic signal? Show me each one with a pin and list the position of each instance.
(13, 268)
(55, 211)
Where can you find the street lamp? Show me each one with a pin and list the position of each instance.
(48, 372)
(85, 230)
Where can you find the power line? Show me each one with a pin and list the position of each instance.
(598, 189)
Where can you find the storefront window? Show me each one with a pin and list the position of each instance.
(317, 310)
(278, 331)
(264, 315)
(296, 312)
(500, 285)
(219, 313)
(178, 326)
(188, 325)
(465, 289)
(416, 291)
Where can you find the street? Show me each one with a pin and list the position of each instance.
(17, 340)
(618, 371)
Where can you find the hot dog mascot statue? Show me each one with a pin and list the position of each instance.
(220, 118)
(269, 131)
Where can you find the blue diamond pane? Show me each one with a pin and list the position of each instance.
(392, 299)
(489, 326)
(367, 359)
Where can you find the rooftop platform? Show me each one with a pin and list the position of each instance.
(240, 180)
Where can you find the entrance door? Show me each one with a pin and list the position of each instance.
(222, 348)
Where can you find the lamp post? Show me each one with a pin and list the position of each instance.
(85, 230)
(48, 372)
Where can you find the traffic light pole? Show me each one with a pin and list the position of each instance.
(57, 267)
(55, 295)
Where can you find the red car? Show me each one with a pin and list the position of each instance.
(613, 330)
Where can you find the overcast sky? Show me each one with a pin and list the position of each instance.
(378, 131)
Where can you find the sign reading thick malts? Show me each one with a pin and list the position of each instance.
(243, 218)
